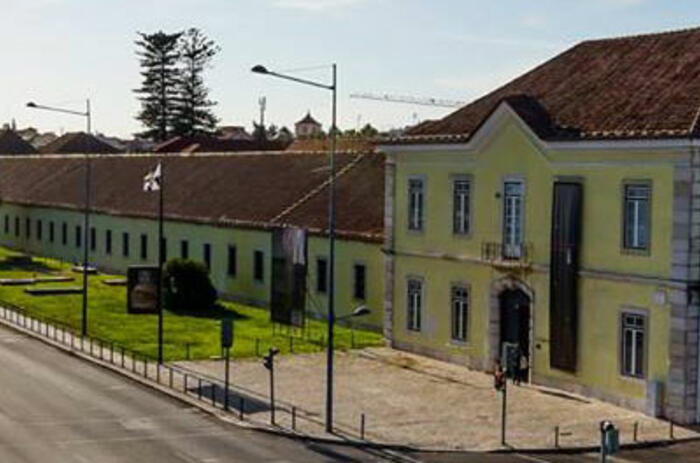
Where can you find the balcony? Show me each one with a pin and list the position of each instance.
(507, 256)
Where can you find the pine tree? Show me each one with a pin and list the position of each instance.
(194, 114)
(159, 54)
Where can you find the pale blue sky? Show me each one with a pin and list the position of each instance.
(58, 52)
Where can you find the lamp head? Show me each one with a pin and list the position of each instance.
(31, 104)
(360, 311)
(260, 69)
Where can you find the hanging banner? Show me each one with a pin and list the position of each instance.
(142, 289)
(288, 288)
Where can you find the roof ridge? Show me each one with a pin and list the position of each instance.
(316, 190)
(644, 35)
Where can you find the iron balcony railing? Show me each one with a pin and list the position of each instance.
(507, 254)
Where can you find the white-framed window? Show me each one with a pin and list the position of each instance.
(414, 298)
(461, 193)
(415, 203)
(460, 312)
(637, 216)
(513, 218)
(632, 344)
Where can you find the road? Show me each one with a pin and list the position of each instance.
(55, 408)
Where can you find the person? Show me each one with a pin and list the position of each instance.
(522, 367)
(499, 376)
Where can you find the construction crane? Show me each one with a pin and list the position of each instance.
(409, 100)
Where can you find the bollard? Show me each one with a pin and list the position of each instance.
(634, 431)
(101, 346)
(556, 437)
(145, 367)
(213, 394)
(241, 407)
(72, 339)
(199, 388)
(184, 384)
(170, 380)
(670, 430)
(111, 353)
(122, 348)
(362, 426)
(133, 362)
(294, 418)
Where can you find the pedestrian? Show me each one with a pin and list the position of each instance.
(523, 366)
(499, 376)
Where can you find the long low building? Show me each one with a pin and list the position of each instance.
(219, 209)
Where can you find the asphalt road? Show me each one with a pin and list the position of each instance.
(55, 408)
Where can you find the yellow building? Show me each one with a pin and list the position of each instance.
(560, 215)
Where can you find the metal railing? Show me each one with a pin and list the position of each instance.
(513, 254)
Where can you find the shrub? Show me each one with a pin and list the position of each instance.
(187, 287)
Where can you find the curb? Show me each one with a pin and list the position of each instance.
(229, 418)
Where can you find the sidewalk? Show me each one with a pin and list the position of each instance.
(413, 400)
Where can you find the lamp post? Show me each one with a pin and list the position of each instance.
(259, 69)
(86, 232)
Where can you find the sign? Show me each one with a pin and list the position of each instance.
(142, 289)
(227, 333)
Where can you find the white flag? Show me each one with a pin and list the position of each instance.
(151, 181)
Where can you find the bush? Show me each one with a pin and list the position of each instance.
(187, 287)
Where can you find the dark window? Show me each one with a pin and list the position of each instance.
(414, 302)
(207, 255)
(64, 233)
(460, 312)
(164, 248)
(633, 332)
(125, 244)
(16, 226)
(258, 266)
(7, 224)
(78, 236)
(232, 264)
(360, 272)
(144, 246)
(184, 249)
(39, 230)
(93, 238)
(637, 216)
(321, 275)
(108, 241)
(52, 232)
(415, 204)
(460, 206)
(27, 227)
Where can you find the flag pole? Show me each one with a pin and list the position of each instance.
(160, 264)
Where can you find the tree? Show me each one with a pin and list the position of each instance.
(188, 287)
(159, 54)
(194, 114)
(368, 131)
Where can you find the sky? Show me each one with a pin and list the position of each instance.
(60, 52)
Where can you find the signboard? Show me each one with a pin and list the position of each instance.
(227, 333)
(288, 287)
(142, 289)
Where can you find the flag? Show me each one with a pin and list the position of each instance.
(151, 181)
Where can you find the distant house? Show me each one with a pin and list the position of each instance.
(12, 143)
(307, 127)
(37, 140)
(78, 143)
(233, 132)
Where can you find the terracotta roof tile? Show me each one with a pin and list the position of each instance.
(78, 143)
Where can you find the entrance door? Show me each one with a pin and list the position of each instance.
(515, 320)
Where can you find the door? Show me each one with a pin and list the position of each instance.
(564, 266)
(515, 320)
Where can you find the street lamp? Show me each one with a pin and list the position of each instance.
(333, 87)
(86, 234)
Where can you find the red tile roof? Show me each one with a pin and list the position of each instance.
(644, 86)
(12, 143)
(204, 144)
(78, 143)
(256, 190)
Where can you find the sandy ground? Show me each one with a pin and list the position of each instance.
(409, 399)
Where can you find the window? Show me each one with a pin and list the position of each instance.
(321, 275)
(232, 260)
(78, 236)
(108, 242)
(636, 227)
(64, 233)
(16, 226)
(93, 238)
(7, 224)
(460, 206)
(207, 255)
(144, 246)
(460, 311)
(414, 303)
(184, 249)
(52, 232)
(360, 276)
(415, 204)
(39, 230)
(27, 227)
(258, 266)
(125, 244)
(512, 219)
(633, 332)
(164, 248)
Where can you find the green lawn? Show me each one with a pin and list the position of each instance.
(108, 320)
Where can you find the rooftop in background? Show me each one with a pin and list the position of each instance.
(12, 143)
(78, 143)
(206, 144)
(308, 120)
(342, 144)
(643, 86)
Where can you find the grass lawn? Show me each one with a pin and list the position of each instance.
(108, 320)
